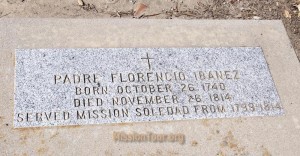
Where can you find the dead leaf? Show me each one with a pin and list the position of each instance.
(80, 2)
(298, 7)
(111, 1)
(256, 17)
(287, 14)
(139, 9)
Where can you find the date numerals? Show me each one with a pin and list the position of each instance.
(220, 97)
(250, 107)
(213, 86)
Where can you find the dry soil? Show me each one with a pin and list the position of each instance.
(286, 10)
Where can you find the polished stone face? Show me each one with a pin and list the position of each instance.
(113, 85)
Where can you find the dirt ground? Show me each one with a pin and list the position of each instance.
(286, 10)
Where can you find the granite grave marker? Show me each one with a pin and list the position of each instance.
(114, 85)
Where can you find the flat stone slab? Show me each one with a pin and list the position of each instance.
(92, 86)
(264, 135)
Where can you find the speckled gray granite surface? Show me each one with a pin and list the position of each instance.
(113, 85)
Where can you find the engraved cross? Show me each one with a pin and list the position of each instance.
(148, 59)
